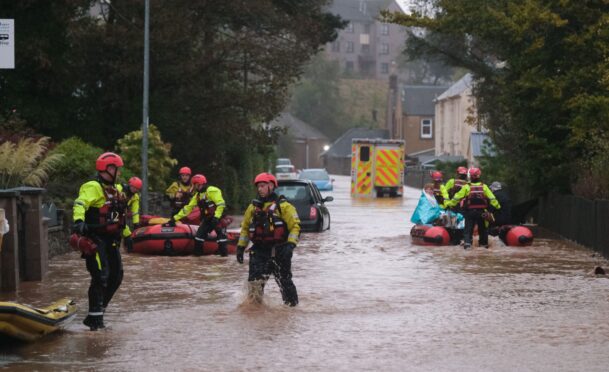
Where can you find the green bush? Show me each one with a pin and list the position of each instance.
(76, 167)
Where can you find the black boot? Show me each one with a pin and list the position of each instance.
(94, 322)
(198, 251)
(222, 250)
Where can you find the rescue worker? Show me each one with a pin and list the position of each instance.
(476, 200)
(209, 200)
(131, 191)
(180, 192)
(273, 226)
(439, 190)
(455, 184)
(99, 214)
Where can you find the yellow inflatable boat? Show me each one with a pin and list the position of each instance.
(28, 323)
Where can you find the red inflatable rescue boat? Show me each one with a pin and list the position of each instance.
(194, 218)
(176, 241)
(429, 235)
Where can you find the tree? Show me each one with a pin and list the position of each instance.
(160, 162)
(541, 80)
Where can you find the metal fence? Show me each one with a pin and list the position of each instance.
(416, 178)
(581, 220)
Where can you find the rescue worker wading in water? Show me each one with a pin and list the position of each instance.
(99, 213)
(180, 192)
(210, 202)
(131, 191)
(477, 198)
(272, 224)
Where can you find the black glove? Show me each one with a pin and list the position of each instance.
(79, 227)
(287, 249)
(170, 223)
(128, 244)
(213, 223)
(240, 251)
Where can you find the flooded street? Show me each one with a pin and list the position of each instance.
(369, 300)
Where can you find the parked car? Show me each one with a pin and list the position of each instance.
(283, 161)
(319, 176)
(286, 172)
(306, 198)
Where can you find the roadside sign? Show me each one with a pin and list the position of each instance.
(7, 43)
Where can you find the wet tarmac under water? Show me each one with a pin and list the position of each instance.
(369, 300)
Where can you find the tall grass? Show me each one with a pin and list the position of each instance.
(26, 162)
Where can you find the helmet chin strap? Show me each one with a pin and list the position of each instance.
(105, 181)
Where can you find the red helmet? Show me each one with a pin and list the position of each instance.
(474, 172)
(135, 182)
(436, 176)
(106, 159)
(199, 179)
(266, 177)
(462, 170)
(185, 170)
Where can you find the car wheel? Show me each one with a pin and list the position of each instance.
(320, 225)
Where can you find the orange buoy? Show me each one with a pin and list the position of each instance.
(519, 236)
(429, 235)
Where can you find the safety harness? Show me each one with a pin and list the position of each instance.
(267, 226)
(109, 219)
(476, 198)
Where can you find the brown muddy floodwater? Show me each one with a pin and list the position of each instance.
(369, 300)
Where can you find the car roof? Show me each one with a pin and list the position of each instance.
(294, 182)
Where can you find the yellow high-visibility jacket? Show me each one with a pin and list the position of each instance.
(175, 187)
(133, 206)
(286, 211)
(90, 195)
(213, 194)
(464, 192)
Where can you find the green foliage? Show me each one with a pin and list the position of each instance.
(160, 162)
(26, 162)
(448, 168)
(77, 166)
(541, 76)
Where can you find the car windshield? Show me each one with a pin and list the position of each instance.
(283, 161)
(316, 175)
(294, 193)
(284, 169)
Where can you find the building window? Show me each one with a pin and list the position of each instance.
(349, 46)
(336, 46)
(349, 28)
(426, 129)
(349, 66)
(384, 48)
(365, 48)
(384, 29)
(384, 68)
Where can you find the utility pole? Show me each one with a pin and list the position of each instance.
(145, 118)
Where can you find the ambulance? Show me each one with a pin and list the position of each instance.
(377, 167)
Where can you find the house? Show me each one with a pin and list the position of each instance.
(337, 159)
(366, 46)
(302, 143)
(458, 128)
(410, 115)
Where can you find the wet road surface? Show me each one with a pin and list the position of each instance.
(369, 300)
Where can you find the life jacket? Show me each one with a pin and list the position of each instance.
(267, 227)
(437, 192)
(476, 198)
(207, 207)
(109, 219)
(186, 195)
(458, 184)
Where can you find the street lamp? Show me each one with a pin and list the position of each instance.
(145, 117)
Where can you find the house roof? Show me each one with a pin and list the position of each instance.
(342, 146)
(358, 10)
(457, 88)
(418, 100)
(481, 144)
(296, 127)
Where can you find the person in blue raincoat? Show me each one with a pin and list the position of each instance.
(428, 210)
